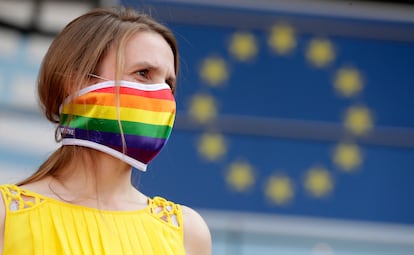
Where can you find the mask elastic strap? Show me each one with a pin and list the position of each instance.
(98, 77)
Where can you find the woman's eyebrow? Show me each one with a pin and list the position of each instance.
(146, 64)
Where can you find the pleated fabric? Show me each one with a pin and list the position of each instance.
(38, 225)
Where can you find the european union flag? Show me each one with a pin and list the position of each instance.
(290, 114)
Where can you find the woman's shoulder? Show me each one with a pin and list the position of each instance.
(6, 186)
(197, 237)
(8, 190)
(2, 215)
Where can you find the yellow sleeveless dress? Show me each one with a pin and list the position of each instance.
(39, 225)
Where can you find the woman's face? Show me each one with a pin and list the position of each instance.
(148, 59)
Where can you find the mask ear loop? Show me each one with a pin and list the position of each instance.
(98, 77)
(118, 113)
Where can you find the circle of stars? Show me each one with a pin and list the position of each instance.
(279, 188)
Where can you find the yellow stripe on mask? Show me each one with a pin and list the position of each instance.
(126, 114)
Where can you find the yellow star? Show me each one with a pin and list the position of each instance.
(282, 39)
(240, 176)
(243, 46)
(212, 146)
(203, 108)
(214, 71)
(358, 120)
(279, 189)
(318, 182)
(348, 82)
(320, 52)
(347, 156)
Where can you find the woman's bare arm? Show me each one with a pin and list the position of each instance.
(197, 237)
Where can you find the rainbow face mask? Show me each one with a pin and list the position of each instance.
(142, 116)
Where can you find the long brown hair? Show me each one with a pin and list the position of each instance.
(76, 52)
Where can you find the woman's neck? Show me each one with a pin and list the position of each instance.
(98, 180)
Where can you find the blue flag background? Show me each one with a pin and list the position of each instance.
(289, 114)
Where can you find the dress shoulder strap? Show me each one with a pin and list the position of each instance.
(16, 199)
(167, 211)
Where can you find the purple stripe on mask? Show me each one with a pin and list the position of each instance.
(113, 139)
(142, 155)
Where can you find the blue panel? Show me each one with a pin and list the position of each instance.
(290, 88)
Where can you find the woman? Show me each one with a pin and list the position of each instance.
(107, 80)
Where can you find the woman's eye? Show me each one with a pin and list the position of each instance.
(143, 73)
